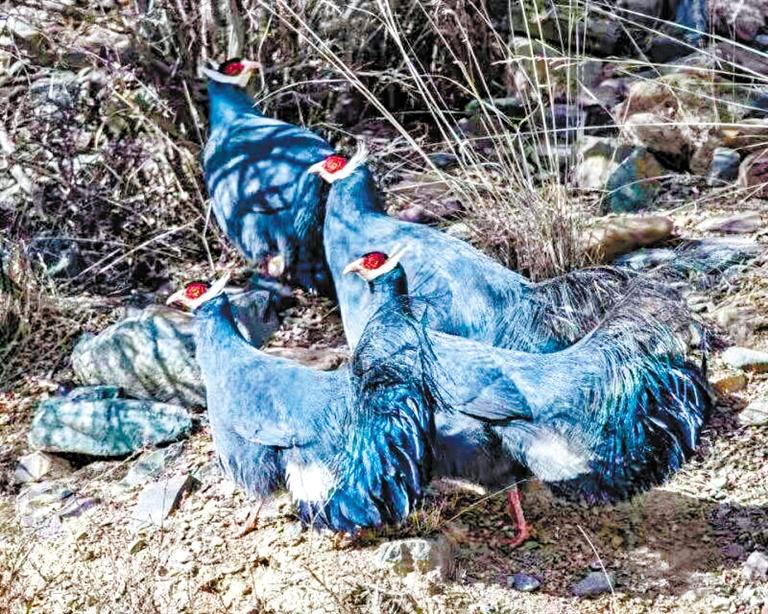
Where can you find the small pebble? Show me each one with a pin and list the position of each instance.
(595, 583)
(523, 582)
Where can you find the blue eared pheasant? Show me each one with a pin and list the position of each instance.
(256, 174)
(470, 295)
(610, 416)
(353, 446)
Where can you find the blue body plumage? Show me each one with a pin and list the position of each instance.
(353, 446)
(256, 174)
(468, 294)
(611, 416)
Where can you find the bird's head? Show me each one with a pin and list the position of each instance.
(337, 167)
(374, 264)
(197, 293)
(235, 71)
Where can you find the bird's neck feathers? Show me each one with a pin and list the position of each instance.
(228, 102)
(390, 289)
(216, 325)
(354, 195)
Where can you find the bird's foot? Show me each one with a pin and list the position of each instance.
(251, 522)
(515, 508)
(522, 533)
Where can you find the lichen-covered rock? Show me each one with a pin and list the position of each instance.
(151, 354)
(110, 427)
(596, 160)
(634, 183)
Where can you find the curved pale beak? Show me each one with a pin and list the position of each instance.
(249, 67)
(177, 297)
(216, 288)
(356, 266)
(353, 267)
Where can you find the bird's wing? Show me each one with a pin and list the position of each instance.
(478, 380)
(286, 407)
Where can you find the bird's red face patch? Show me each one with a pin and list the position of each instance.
(333, 164)
(195, 290)
(232, 67)
(374, 260)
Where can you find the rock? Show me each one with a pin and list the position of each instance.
(77, 506)
(733, 382)
(668, 116)
(746, 359)
(724, 167)
(743, 223)
(755, 414)
(112, 427)
(743, 19)
(756, 566)
(741, 321)
(58, 88)
(38, 465)
(151, 354)
(460, 230)
(46, 506)
(596, 160)
(612, 236)
(708, 255)
(437, 212)
(237, 589)
(151, 464)
(421, 555)
(595, 583)
(633, 184)
(428, 198)
(157, 500)
(443, 160)
(733, 551)
(753, 173)
(93, 393)
(523, 582)
(209, 473)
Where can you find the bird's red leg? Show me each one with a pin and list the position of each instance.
(515, 508)
(251, 522)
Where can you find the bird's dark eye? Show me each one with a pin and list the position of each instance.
(374, 260)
